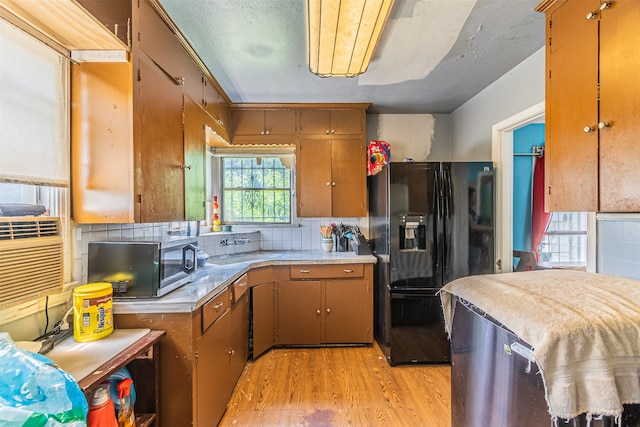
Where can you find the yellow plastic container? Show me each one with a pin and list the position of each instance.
(92, 311)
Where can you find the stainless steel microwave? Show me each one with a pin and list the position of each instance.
(143, 268)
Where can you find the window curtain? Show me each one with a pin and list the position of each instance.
(539, 218)
(33, 132)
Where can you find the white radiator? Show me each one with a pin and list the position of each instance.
(31, 259)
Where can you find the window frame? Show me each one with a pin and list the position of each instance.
(216, 179)
(584, 248)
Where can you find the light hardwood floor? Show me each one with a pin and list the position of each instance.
(339, 386)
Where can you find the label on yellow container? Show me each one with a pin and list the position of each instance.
(92, 311)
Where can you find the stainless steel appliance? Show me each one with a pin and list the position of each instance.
(143, 268)
(496, 384)
(430, 223)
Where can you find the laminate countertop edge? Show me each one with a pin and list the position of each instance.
(218, 274)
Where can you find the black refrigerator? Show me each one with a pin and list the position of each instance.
(429, 223)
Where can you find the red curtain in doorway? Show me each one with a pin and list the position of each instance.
(539, 218)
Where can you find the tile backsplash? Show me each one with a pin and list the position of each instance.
(619, 245)
(304, 235)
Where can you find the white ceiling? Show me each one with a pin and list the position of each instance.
(433, 57)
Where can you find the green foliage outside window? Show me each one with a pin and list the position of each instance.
(256, 190)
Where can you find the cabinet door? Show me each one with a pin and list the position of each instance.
(216, 106)
(619, 107)
(194, 160)
(571, 153)
(300, 312)
(213, 376)
(159, 42)
(239, 337)
(331, 122)
(346, 122)
(315, 122)
(314, 178)
(159, 151)
(248, 122)
(280, 122)
(348, 315)
(261, 122)
(348, 198)
(263, 317)
(102, 172)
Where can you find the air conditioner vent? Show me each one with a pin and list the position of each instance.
(31, 259)
(28, 227)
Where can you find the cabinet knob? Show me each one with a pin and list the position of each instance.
(185, 167)
(266, 132)
(232, 352)
(305, 271)
(262, 133)
(328, 132)
(328, 184)
(591, 15)
(333, 131)
(318, 312)
(588, 129)
(333, 184)
(605, 5)
(348, 270)
(218, 306)
(328, 310)
(603, 125)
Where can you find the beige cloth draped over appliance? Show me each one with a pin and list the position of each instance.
(584, 329)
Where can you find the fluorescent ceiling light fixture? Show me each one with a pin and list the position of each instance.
(343, 34)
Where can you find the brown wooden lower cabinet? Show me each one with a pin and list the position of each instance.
(314, 305)
(263, 317)
(204, 352)
(202, 357)
(300, 315)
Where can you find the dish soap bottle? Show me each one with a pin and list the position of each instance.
(126, 416)
(215, 223)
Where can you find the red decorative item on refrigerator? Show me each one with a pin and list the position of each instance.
(378, 155)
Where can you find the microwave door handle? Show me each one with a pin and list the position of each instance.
(189, 258)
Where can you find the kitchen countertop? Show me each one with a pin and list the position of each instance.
(218, 273)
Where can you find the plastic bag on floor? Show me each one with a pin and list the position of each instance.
(36, 393)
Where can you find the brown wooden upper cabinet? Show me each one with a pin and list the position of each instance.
(331, 121)
(331, 178)
(217, 107)
(138, 131)
(592, 104)
(264, 122)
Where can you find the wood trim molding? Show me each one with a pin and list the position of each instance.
(544, 5)
(274, 105)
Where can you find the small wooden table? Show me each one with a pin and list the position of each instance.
(92, 363)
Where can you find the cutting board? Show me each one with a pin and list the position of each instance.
(81, 359)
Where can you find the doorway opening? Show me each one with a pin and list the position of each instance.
(503, 158)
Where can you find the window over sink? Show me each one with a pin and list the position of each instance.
(256, 189)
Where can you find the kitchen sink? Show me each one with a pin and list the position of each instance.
(237, 258)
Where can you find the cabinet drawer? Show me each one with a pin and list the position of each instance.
(239, 287)
(214, 308)
(326, 271)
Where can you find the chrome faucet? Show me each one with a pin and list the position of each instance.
(239, 241)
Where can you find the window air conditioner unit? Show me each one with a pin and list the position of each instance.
(31, 259)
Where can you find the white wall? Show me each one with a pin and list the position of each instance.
(422, 137)
(517, 90)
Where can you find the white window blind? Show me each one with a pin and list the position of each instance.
(34, 145)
